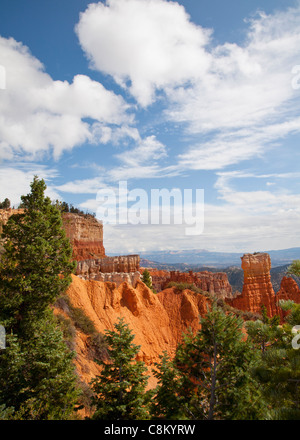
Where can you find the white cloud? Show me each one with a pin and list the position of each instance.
(15, 181)
(230, 147)
(39, 115)
(247, 84)
(243, 221)
(150, 43)
(148, 150)
(242, 91)
(83, 186)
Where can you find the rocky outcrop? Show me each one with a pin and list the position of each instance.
(114, 277)
(257, 289)
(289, 290)
(214, 282)
(85, 233)
(114, 269)
(183, 309)
(122, 263)
(157, 321)
(159, 278)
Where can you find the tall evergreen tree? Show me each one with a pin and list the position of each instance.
(215, 365)
(264, 333)
(279, 369)
(168, 401)
(36, 265)
(294, 268)
(146, 279)
(120, 389)
(37, 378)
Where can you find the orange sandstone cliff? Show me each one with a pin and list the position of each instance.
(214, 282)
(157, 321)
(85, 234)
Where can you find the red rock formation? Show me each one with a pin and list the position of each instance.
(122, 263)
(214, 282)
(85, 234)
(160, 278)
(183, 309)
(257, 288)
(115, 269)
(157, 321)
(289, 290)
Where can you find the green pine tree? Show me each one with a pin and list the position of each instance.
(294, 268)
(120, 389)
(146, 279)
(37, 376)
(279, 369)
(168, 401)
(215, 365)
(264, 333)
(36, 371)
(36, 265)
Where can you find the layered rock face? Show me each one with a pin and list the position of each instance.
(215, 283)
(157, 321)
(85, 234)
(114, 269)
(257, 288)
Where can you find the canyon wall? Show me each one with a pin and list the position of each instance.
(86, 237)
(214, 282)
(85, 233)
(115, 269)
(157, 321)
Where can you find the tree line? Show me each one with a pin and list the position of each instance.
(61, 205)
(220, 372)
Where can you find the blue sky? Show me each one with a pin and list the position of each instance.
(190, 95)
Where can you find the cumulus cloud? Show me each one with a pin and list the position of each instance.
(144, 44)
(39, 115)
(228, 91)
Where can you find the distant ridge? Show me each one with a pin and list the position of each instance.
(216, 259)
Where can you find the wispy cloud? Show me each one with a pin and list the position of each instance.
(41, 116)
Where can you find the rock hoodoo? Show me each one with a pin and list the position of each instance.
(257, 288)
